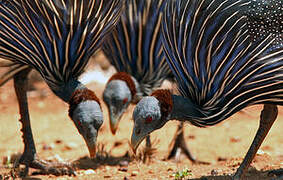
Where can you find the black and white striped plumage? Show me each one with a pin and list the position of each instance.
(225, 56)
(56, 38)
(135, 44)
(135, 49)
(218, 65)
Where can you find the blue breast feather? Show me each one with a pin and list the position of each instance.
(217, 61)
(54, 38)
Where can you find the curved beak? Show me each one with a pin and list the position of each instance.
(136, 139)
(115, 117)
(92, 150)
(91, 143)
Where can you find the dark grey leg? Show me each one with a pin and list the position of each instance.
(148, 142)
(267, 118)
(148, 150)
(29, 158)
(181, 146)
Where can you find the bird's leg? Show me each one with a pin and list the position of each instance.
(267, 118)
(181, 146)
(148, 151)
(29, 158)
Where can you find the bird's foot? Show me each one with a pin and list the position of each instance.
(180, 147)
(147, 153)
(45, 167)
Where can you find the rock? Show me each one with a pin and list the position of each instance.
(123, 163)
(48, 146)
(221, 159)
(169, 169)
(260, 152)
(58, 141)
(235, 139)
(134, 173)
(215, 172)
(123, 169)
(71, 145)
(89, 171)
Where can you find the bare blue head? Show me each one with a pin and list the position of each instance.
(84, 110)
(153, 112)
(120, 91)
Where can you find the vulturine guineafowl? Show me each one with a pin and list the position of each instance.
(56, 38)
(225, 55)
(136, 51)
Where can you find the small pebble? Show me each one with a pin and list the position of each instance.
(71, 145)
(134, 173)
(214, 172)
(107, 176)
(260, 152)
(123, 163)
(89, 171)
(56, 157)
(235, 139)
(221, 159)
(169, 169)
(123, 169)
(48, 146)
(125, 178)
(117, 143)
(58, 141)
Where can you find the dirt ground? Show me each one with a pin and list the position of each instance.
(57, 139)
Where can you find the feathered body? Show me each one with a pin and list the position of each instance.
(135, 50)
(221, 55)
(56, 38)
(135, 44)
(225, 56)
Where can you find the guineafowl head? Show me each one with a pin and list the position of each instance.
(151, 113)
(86, 113)
(118, 94)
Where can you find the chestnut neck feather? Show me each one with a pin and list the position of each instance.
(127, 78)
(174, 107)
(79, 96)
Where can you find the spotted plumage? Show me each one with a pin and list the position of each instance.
(225, 56)
(221, 69)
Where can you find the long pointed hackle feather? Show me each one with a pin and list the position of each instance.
(56, 37)
(224, 54)
(135, 44)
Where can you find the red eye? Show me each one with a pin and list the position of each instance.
(125, 100)
(148, 119)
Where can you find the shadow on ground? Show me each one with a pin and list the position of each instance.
(85, 163)
(276, 174)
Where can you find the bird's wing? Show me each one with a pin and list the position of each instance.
(218, 61)
(56, 37)
(135, 46)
